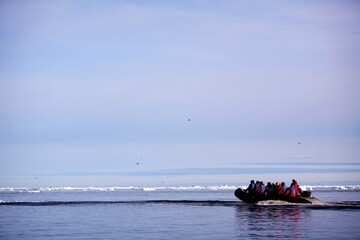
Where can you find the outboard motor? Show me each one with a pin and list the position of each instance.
(306, 194)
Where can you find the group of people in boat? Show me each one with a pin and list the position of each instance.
(273, 190)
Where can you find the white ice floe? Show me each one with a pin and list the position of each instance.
(34, 191)
(319, 188)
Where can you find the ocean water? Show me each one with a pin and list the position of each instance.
(172, 213)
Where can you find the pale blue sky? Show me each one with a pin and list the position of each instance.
(88, 89)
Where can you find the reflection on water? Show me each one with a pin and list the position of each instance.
(272, 221)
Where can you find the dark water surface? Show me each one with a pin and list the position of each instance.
(171, 215)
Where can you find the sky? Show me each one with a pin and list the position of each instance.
(169, 93)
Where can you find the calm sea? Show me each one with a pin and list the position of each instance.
(169, 214)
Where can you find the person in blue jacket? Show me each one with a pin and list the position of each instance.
(251, 187)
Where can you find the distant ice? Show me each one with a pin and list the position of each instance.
(314, 188)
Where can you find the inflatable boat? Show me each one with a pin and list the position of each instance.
(255, 198)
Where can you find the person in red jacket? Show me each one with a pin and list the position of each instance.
(297, 186)
(261, 188)
(281, 188)
(292, 191)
